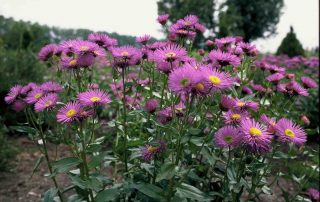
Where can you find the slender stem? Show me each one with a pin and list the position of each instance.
(124, 119)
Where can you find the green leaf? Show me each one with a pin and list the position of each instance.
(107, 195)
(150, 190)
(167, 171)
(37, 164)
(191, 192)
(49, 195)
(78, 181)
(24, 129)
(194, 131)
(64, 165)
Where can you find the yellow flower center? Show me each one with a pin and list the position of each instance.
(124, 53)
(199, 86)
(179, 108)
(235, 116)
(152, 149)
(289, 133)
(38, 95)
(255, 131)
(215, 80)
(95, 99)
(228, 139)
(170, 55)
(71, 113)
(73, 62)
(241, 104)
(48, 103)
(84, 48)
(187, 23)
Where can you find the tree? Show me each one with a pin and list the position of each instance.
(290, 45)
(250, 19)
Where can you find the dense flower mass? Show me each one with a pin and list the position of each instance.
(180, 123)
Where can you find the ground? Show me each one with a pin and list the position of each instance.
(16, 184)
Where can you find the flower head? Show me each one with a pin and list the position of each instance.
(269, 122)
(170, 53)
(51, 86)
(47, 52)
(95, 97)
(235, 116)
(13, 94)
(151, 105)
(228, 137)
(69, 113)
(181, 80)
(34, 96)
(150, 150)
(287, 131)
(308, 82)
(275, 78)
(143, 39)
(314, 194)
(126, 55)
(255, 137)
(162, 19)
(18, 105)
(221, 59)
(46, 102)
(217, 80)
(27, 88)
(103, 40)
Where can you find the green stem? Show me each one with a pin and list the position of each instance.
(124, 119)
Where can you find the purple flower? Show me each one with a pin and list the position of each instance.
(235, 116)
(314, 194)
(228, 137)
(151, 105)
(246, 90)
(143, 39)
(27, 88)
(226, 103)
(47, 52)
(287, 131)
(46, 102)
(248, 49)
(308, 82)
(103, 40)
(162, 19)
(221, 59)
(246, 104)
(259, 88)
(13, 94)
(223, 43)
(93, 98)
(217, 80)
(18, 105)
(51, 86)
(126, 55)
(164, 116)
(275, 78)
(150, 150)
(69, 113)
(69, 63)
(269, 122)
(34, 95)
(181, 80)
(255, 137)
(170, 53)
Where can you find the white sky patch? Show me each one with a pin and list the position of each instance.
(138, 17)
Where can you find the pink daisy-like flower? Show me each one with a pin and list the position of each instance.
(181, 80)
(85, 47)
(68, 47)
(34, 96)
(246, 90)
(27, 88)
(162, 19)
(164, 116)
(13, 94)
(259, 88)
(275, 78)
(287, 131)
(226, 103)
(255, 137)
(69, 113)
(51, 87)
(217, 80)
(103, 40)
(126, 55)
(314, 194)
(93, 98)
(228, 137)
(308, 82)
(248, 48)
(150, 150)
(235, 116)
(223, 43)
(151, 105)
(143, 39)
(170, 53)
(46, 102)
(293, 88)
(221, 59)
(246, 104)
(18, 105)
(69, 63)
(47, 52)
(269, 122)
